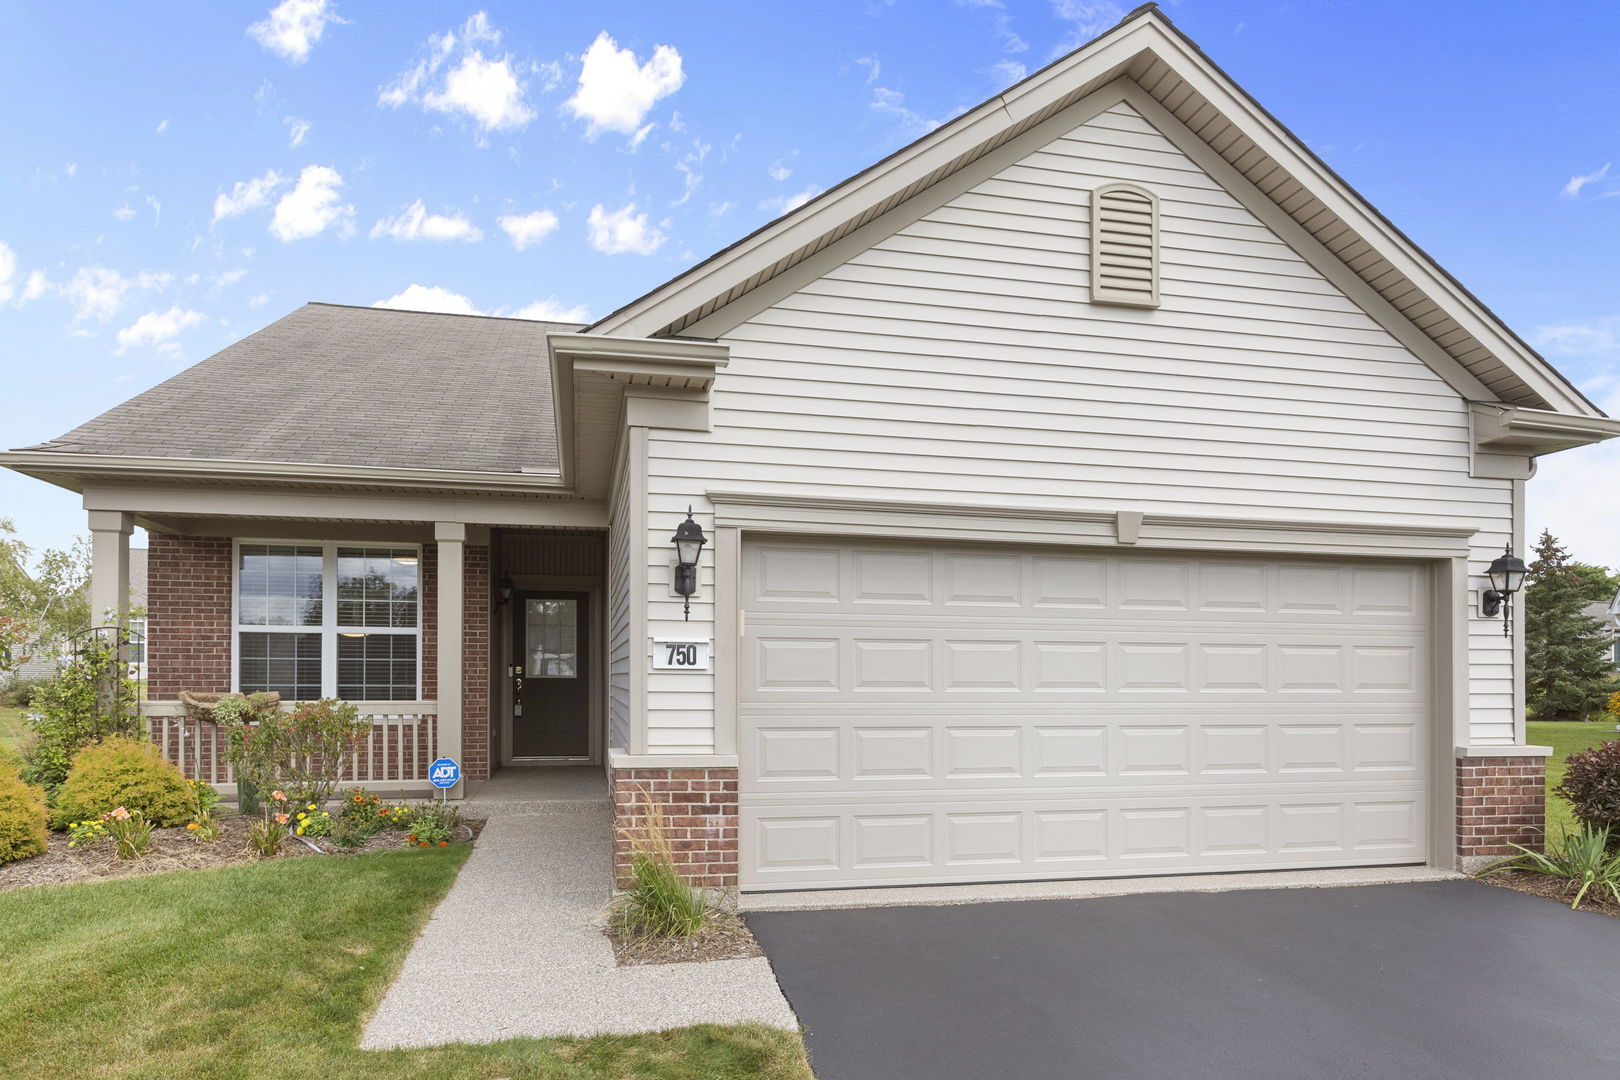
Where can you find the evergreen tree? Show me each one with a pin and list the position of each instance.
(1567, 652)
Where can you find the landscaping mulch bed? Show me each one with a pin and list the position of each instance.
(1551, 888)
(175, 849)
(726, 937)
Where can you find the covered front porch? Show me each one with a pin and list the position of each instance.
(481, 641)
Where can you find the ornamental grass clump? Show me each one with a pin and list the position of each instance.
(1582, 857)
(265, 836)
(660, 904)
(130, 831)
(122, 771)
(22, 816)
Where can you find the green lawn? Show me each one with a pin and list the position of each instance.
(269, 970)
(11, 728)
(1565, 739)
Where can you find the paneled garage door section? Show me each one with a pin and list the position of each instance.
(927, 715)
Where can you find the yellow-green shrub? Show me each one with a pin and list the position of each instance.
(126, 772)
(22, 816)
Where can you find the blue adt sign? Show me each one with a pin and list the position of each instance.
(444, 773)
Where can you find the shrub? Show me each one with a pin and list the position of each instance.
(20, 693)
(1582, 857)
(1592, 786)
(91, 698)
(433, 825)
(660, 904)
(300, 751)
(22, 817)
(126, 772)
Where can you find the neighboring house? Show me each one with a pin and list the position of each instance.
(1096, 486)
(1609, 612)
(43, 667)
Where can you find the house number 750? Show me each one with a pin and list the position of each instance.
(678, 655)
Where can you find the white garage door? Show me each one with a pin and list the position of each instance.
(915, 714)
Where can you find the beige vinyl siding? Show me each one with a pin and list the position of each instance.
(619, 569)
(958, 360)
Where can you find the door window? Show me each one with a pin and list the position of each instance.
(551, 629)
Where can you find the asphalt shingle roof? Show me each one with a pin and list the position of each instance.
(338, 385)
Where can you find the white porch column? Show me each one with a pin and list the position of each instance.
(109, 566)
(452, 540)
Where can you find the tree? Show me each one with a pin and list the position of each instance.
(1567, 652)
(1602, 583)
(40, 611)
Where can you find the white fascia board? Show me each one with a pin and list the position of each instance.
(109, 466)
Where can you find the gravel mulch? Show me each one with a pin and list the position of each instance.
(726, 937)
(175, 849)
(1551, 888)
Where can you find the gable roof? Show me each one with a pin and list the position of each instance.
(1146, 49)
(351, 386)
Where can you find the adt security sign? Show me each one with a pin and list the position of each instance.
(444, 773)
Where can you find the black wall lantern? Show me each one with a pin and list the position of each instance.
(1507, 577)
(506, 590)
(688, 541)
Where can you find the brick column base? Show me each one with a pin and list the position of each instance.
(700, 819)
(1501, 801)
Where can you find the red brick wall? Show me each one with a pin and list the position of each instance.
(188, 614)
(700, 819)
(1500, 801)
(475, 711)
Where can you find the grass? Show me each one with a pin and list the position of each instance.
(1565, 739)
(269, 970)
(11, 728)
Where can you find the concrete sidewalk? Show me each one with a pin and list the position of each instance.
(516, 947)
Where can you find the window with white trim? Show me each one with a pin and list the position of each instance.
(328, 620)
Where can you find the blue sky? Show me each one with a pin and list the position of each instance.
(177, 176)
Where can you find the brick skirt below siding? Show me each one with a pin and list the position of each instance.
(1501, 801)
(700, 819)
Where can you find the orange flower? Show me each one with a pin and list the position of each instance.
(444, 843)
(193, 827)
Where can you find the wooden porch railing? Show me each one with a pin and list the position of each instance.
(403, 742)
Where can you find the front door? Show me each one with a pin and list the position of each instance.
(551, 714)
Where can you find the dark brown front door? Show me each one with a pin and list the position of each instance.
(553, 671)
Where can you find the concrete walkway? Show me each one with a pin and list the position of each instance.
(516, 947)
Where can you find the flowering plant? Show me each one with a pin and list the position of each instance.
(266, 835)
(87, 833)
(312, 821)
(432, 825)
(130, 831)
(202, 827)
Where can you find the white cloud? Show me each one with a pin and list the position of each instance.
(528, 229)
(35, 287)
(415, 223)
(157, 328)
(293, 27)
(787, 203)
(163, 125)
(297, 128)
(552, 310)
(312, 206)
(8, 270)
(1579, 339)
(615, 93)
(247, 195)
(259, 300)
(1009, 71)
(486, 89)
(1088, 18)
(778, 171)
(1572, 190)
(892, 103)
(98, 293)
(123, 212)
(436, 298)
(622, 231)
(71, 168)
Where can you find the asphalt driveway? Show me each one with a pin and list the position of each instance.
(1430, 981)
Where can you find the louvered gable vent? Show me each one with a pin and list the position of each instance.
(1124, 246)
